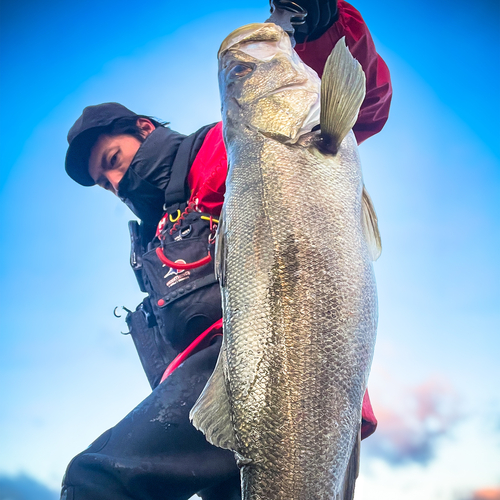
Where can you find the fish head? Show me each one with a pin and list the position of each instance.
(264, 85)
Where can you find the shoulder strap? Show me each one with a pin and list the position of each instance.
(177, 189)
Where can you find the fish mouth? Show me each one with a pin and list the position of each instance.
(255, 32)
(290, 86)
(298, 85)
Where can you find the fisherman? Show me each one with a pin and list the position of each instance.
(175, 185)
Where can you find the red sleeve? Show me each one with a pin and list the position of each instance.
(375, 108)
(368, 420)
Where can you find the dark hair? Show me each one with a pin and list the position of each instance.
(128, 125)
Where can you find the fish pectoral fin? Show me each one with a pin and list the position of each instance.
(220, 251)
(211, 414)
(342, 93)
(370, 226)
(352, 471)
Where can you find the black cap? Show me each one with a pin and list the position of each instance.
(83, 134)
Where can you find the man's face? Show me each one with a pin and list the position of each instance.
(110, 158)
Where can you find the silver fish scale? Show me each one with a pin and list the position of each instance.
(300, 314)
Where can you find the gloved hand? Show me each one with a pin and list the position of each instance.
(308, 18)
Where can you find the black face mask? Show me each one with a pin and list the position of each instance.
(142, 188)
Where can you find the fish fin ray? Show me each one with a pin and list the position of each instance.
(370, 226)
(211, 414)
(352, 471)
(220, 251)
(342, 93)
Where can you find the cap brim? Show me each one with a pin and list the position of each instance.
(78, 154)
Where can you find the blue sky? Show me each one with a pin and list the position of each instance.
(433, 173)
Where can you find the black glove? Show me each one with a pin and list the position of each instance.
(313, 17)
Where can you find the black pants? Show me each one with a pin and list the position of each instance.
(155, 453)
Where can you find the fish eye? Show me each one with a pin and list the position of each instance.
(240, 70)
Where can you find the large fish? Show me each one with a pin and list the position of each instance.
(296, 244)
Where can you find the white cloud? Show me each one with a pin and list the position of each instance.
(412, 421)
(465, 460)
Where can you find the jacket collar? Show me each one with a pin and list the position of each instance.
(142, 188)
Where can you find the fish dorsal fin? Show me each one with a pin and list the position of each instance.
(370, 226)
(352, 471)
(342, 93)
(211, 414)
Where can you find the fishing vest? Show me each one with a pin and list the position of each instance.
(173, 263)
